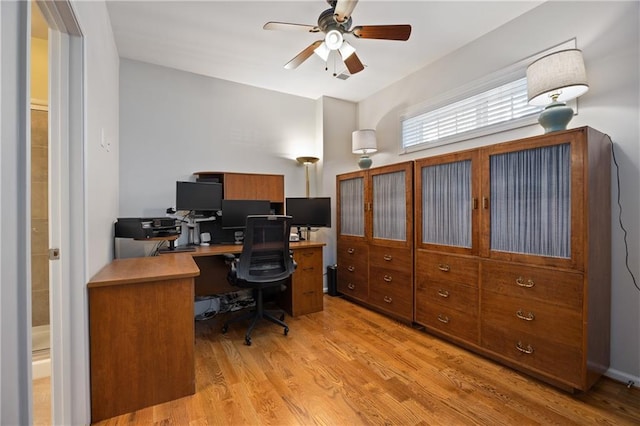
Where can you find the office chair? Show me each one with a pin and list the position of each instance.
(265, 264)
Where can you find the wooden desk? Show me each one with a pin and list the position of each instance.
(303, 296)
(141, 321)
(142, 333)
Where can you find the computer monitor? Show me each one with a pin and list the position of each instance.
(235, 212)
(309, 212)
(199, 197)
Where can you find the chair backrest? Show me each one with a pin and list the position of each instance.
(265, 253)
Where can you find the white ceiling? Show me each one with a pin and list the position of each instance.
(225, 39)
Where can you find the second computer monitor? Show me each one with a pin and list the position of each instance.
(235, 212)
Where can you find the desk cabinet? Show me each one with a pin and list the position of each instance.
(141, 334)
(249, 186)
(304, 295)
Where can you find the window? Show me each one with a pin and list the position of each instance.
(495, 104)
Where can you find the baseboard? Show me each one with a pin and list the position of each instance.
(623, 377)
(41, 368)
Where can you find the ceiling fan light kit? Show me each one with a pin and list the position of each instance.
(335, 22)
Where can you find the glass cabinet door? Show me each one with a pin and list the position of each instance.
(531, 201)
(534, 210)
(446, 203)
(391, 204)
(351, 204)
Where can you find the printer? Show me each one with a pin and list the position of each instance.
(141, 228)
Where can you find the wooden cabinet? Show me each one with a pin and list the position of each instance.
(306, 282)
(141, 333)
(517, 235)
(375, 238)
(248, 186)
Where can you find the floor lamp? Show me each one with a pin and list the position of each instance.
(307, 161)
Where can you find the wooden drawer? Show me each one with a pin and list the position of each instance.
(456, 296)
(447, 320)
(536, 334)
(546, 285)
(449, 268)
(307, 281)
(558, 360)
(349, 250)
(353, 279)
(391, 291)
(554, 324)
(397, 259)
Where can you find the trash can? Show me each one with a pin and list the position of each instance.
(332, 280)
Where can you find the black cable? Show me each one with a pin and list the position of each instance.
(626, 245)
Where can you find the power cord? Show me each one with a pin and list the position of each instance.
(626, 245)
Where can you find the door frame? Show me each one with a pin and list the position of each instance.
(66, 209)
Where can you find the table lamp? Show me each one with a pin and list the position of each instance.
(364, 142)
(553, 80)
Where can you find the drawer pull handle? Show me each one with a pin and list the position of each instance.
(351, 286)
(520, 281)
(387, 278)
(443, 318)
(485, 203)
(387, 257)
(475, 204)
(388, 299)
(351, 250)
(443, 293)
(310, 268)
(444, 267)
(527, 317)
(527, 350)
(351, 268)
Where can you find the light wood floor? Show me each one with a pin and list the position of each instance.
(350, 366)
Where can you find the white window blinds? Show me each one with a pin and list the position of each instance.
(506, 103)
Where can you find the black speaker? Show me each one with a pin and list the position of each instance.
(332, 280)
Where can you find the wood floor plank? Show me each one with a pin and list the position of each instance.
(348, 365)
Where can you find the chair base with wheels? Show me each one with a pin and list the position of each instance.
(256, 315)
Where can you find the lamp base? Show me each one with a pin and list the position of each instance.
(555, 117)
(364, 162)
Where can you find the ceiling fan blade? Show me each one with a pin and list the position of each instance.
(302, 56)
(353, 64)
(343, 9)
(286, 26)
(383, 32)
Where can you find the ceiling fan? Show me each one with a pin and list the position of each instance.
(335, 23)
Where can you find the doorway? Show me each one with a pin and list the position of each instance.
(63, 78)
(40, 306)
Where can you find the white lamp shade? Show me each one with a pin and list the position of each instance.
(364, 141)
(560, 73)
(322, 51)
(346, 50)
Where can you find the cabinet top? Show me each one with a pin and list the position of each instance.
(233, 173)
(144, 269)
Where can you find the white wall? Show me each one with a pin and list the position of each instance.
(174, 123)
(14, 213)
(607, 32)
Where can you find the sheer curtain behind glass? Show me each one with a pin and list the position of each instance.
(446, 204)
(390, 206)
(531, 201)
(352, 207)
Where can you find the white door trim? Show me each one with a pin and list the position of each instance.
(69, 399)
